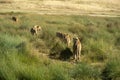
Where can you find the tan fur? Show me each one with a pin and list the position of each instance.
(64, 37)
(76, 48)
(67, 39)
(34, 30)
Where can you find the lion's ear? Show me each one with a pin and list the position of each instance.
(38, 26)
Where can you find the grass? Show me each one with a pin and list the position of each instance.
(83, 7)
(22, 56)
(84, 71)
(111, 70)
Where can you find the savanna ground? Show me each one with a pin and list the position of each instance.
(66, 7)
(44, 57)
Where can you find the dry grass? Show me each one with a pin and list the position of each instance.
(87, 7)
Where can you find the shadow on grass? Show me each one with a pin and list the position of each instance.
(64, 55)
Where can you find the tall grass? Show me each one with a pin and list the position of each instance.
(17, 63)
(83, 71)
(111, 70)
(19, 49)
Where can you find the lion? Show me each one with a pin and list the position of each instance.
(64, 37)
(34, 30)
(76, 48)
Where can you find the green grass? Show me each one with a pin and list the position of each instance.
(111, 70)
(84, 71)
(20, 52)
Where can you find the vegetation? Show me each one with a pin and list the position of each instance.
(24, 56)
